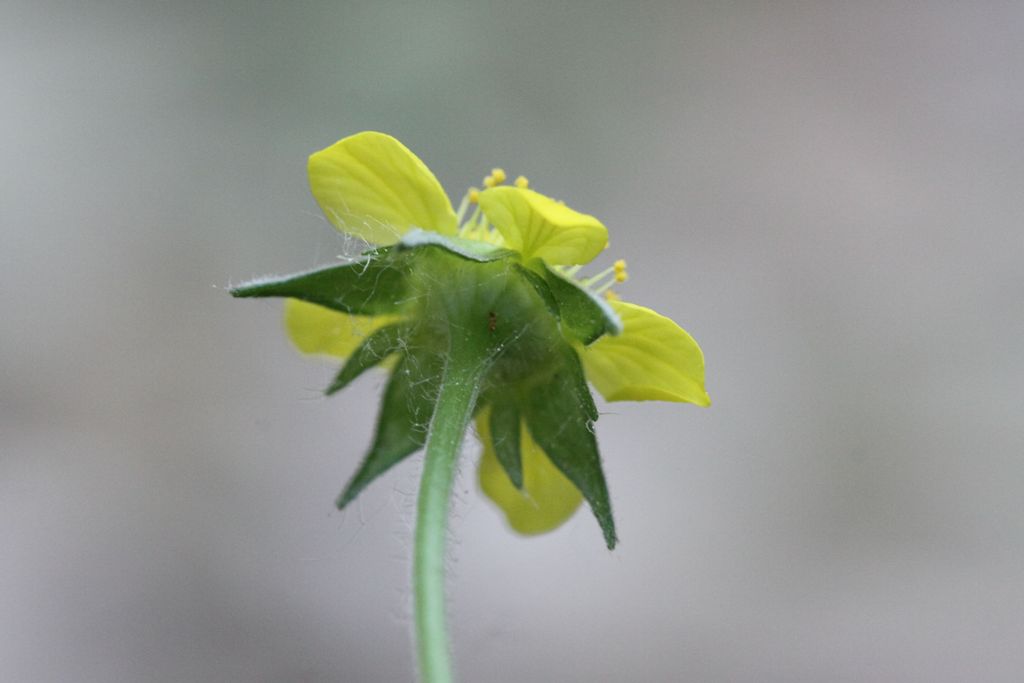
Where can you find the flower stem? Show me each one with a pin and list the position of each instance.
(459, 388)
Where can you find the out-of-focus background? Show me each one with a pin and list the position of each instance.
(828, 196)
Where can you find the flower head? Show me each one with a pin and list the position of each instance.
(500, 275)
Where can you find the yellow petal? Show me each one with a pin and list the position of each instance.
(371, 186)
(653, 359)
(547, 498)
(538, 226)
(315, 329)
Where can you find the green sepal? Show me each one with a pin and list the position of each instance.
(541, 287)
(371, 287)
(560, 414)
(405, 413)
(373, 350)
(474, 250)
(586, 317)
(505, 438)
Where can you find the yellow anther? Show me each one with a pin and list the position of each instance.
(474, 195)
(499, 175)
(489, 181)
(522, 183)
(621, 276)
(612, 296)
(620, 266)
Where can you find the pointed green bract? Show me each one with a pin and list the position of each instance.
(405, 414)
(370, 353)
(583, 315)
(372, 287)
(505, 435)
(560, 414)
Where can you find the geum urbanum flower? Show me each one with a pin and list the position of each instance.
(495, 281)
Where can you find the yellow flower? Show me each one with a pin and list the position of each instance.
(372, 187)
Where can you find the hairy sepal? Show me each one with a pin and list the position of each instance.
(504, 424)
(584, 316)
(371, 352)
(405, 413)
(474, 250)
(560, 414)
(374, 286)
(540, 286)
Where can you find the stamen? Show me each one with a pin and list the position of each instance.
(489, 181)
(471, 197)
(499, 175)
(461, 212)
(610, 295)
(620, 271)
(600, 276)
(603, 281)
(522, 183)
(606, 287)
(472, 222)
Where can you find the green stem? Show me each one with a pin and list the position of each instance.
(459, 388)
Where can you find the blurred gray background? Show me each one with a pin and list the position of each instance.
(827, 195)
